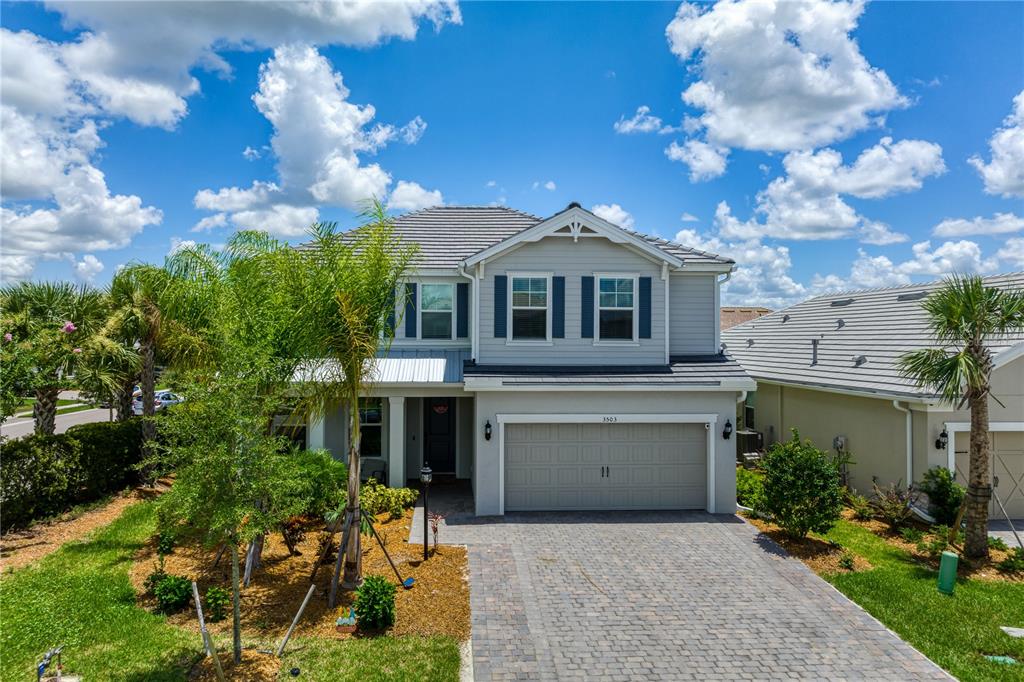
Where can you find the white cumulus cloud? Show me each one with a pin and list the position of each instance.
(643, 121)
(1000, 223)
(704, 160)
(410, 196)
(1004, 174)
(614, 214)
(87, 268)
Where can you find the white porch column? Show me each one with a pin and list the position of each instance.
(315, 434)
(396, 441)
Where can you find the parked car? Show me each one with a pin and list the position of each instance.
(161, 400)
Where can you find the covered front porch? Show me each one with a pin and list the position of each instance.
(417, 413)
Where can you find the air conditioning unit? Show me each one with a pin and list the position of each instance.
(749, 441)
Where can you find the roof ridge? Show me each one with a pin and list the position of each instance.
(477, 207)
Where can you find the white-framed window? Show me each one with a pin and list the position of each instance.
(616, 308)
(437, 306)
(530, 307)
(371, 427)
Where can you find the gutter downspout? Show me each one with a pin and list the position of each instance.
(474, 313)
(718, 310)
(910, 441)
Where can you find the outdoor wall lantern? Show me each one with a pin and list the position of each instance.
(727, 431)
(487, 430)
(943, 440)
(426, 476)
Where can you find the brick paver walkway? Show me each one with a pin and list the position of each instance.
(670, 596)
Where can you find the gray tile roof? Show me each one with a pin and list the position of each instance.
(704, 370)
(860, 334)
(448, 235)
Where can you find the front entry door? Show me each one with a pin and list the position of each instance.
(439, 434)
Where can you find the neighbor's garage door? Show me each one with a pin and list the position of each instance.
(1007, 448)
(605, 466)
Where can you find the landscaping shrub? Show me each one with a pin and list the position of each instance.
(324, 480)
(944, 494)
(376, 498)
(164, 543)
(801, 488)
(154, 579)
(110, 453)
(749, 487)
(172, 593)
(861, 506)
(911, 534)
(217, 602)
(893, 504)
(375, 603)
(846, 561)
(1013, 563)
(997, 543)
(45, 475)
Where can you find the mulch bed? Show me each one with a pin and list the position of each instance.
(255, 667)
(438, 603)
(820, 555)
(19, 548)
(823, 556)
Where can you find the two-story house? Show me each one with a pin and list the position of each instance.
(558, 364)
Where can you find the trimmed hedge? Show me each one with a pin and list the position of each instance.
(43, 476)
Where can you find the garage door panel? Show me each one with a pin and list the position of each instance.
(1007, 450)
(649, 466)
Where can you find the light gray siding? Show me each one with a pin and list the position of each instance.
(573, 260)
(692, 314)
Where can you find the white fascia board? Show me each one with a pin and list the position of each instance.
(720, 268)
(910, 398)
(495, 384)
(992, 426)
(1009, 355)
(608, 418)
(556, 222)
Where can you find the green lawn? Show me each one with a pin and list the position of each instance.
(80, 597)
(954, 631)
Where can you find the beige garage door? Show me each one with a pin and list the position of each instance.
(1007, 449)
(605, 466)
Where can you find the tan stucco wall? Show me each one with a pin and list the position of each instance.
(875, 431)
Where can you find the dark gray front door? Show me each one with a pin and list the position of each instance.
(439, 434)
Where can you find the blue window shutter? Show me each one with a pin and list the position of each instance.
(391, 314)
(558, 307)
(645, 307)
(500, 306)
(587, 307)
(462, 309)
(410, 311)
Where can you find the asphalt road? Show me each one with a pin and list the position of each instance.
(16, 428)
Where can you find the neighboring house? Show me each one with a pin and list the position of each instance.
(734, 315)
(828, 367)
(558, 364)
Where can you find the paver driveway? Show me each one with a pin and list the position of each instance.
(676, 596)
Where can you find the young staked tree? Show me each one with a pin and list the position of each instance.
(962, 314)
(347, 289)
(231, 479)
(51, 323)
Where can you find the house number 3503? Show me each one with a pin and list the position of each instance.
(609, 420)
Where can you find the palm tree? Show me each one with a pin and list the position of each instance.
(52, 323)
(962, 314)
(347, 289)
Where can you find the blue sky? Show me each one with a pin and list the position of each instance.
(125, 126)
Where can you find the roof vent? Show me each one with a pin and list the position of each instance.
(574, 204)
(785, 318)
(860, 360)
(840, 323)
(912, 296)
(840, 302)
(750, 342)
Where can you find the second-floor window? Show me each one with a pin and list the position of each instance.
(615, 301)
(529, 308)
(436, 310)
